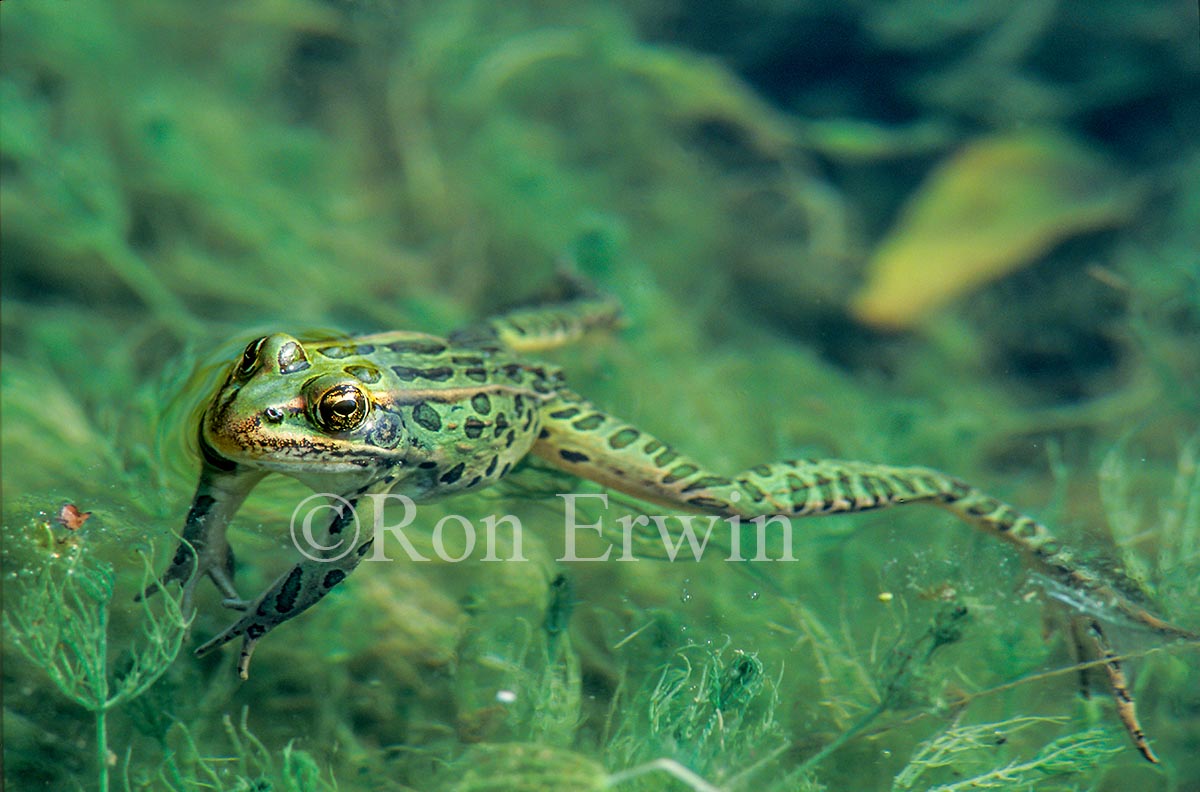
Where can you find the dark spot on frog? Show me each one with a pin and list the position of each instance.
(339, 351)
(589, 423)
(418, 347)
(473, 427)
(482, 404)
(289, 591)
(453, 474)
(427, 417)
(365, 374)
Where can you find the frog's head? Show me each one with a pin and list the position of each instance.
(310, 415)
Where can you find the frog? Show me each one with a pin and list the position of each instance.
(431, 417)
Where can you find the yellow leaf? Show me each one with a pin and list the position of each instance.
(995, 206)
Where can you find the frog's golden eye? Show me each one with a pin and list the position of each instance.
(249, 361)
(342, 408)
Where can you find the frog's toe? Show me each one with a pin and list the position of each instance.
(223, 579)
(236, 603)
(243, 666)
(251, 628)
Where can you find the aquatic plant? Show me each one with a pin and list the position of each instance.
(962, 749)
(61, 624)
(899, 679)
(250, 767)
(712, 712)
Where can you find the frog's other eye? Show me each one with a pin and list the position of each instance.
(342, 408)
(249, 361)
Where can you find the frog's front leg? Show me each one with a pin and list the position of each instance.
(204, 549)
(293, 592)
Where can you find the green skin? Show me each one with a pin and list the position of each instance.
(429, 417)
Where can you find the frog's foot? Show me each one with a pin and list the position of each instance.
(189, 567)
(252, 628)
(1126, 708)
(236, 603)
(289, 596)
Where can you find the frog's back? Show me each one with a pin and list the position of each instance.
(469, 413)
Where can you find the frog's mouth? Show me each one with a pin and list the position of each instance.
(254, 442)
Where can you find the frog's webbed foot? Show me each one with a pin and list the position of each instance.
(289, 596)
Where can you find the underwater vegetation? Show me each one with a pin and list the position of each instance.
(960, 235)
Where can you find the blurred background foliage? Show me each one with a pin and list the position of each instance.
(961, 234)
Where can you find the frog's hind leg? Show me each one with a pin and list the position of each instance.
(290, 595)
(582, 440)
(586, 442)
(570, 312)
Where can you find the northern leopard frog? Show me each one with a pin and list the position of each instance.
(428, 417)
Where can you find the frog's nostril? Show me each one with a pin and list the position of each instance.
(273, 414)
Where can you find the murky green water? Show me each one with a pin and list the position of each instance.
(960, 236)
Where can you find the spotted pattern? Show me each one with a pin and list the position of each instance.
(453, 474)
(285, 600)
